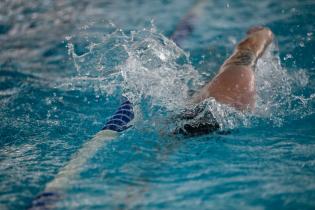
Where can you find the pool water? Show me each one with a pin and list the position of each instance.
(65, 65)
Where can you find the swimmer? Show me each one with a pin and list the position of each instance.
(234, 85)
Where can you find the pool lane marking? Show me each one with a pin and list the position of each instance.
(52, 191)
(118, 122)
(74, 166)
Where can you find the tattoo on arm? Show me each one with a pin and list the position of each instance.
(244, 58)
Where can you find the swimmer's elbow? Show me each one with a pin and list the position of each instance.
(249, 105)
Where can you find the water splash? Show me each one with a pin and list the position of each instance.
(278, 91)
(143, 65)
(157, 76)
(279, 96)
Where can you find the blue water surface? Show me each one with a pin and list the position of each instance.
(64, 65)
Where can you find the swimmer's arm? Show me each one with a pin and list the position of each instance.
(251, 48)
(234, 87)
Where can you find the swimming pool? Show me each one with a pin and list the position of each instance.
(64, 66)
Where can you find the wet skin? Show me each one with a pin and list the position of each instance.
(234, 84)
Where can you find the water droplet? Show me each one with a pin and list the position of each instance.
(309, 36)
(288, 56)
(68, 38)
(232, 40)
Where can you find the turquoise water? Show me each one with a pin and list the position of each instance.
(65, 64)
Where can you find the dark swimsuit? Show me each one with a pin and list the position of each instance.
(197, 121)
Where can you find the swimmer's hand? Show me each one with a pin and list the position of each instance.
(257, 40)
